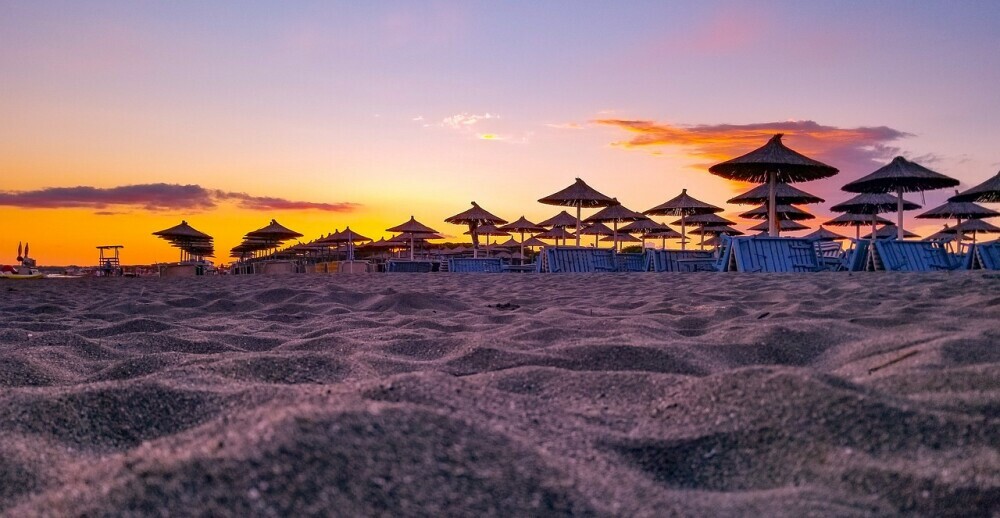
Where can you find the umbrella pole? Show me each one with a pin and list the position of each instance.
(522, 247)
(958, 236)
(772, 206)
(578, 210)
(411, 246)
(899, 213)
(614, 234)
(701, 245)
(871, 247)
(683, 233)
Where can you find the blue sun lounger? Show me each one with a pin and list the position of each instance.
(912, 256)
(681, 260)
(631, 262)
(775, 254)
(578, 260)
(477, 265)
(857, 259)
(402, 266)
(988, 255)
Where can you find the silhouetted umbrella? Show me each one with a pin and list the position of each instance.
(348, 237)
(645, 227)
(596, 230)
(532, 242)
(959, 210)
(682, 205)
(986, 192)
(783, 194)
(873, 204)
(556, 233)
(974, 227)
(561, 220)
(944, 235)
(664, 235)
(412, 228)
(705, 219)
(578, 195)
(857, 221)
(823, 234)
(710, 230)
(897, 177)
(274, 231)
(188, 240)
(620, 238)
(615, 214)
(783, 211)
(522, 225)
(788, 225)
(487, 230)
(773, 163)
(475, 217)
(889, 232)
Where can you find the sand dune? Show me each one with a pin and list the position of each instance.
(604, 395)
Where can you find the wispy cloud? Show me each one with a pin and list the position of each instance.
(154, 197)
(466, 120)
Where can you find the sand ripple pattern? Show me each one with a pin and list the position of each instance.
(506, 395)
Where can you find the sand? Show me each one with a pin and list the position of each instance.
(502, 395)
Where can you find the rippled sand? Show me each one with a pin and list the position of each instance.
(605, 394)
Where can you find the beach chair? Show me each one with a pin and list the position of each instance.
(631, 262)
(831, 255)
(681, 260)
(775, 254)
(480, 265)
(404, 266)
(578, 260)
(857, 257)
(988, 255)
(912, 256)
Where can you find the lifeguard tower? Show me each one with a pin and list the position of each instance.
(109, 263)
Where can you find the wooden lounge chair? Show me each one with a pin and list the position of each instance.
(480, 265)
(775, 254)
(577, 260)
(681, 260)
(857, 258)
(988, 255)
(912, 256)
(631, 262)
(402, 266)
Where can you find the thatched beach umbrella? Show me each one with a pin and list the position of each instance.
(986, 192)
(889, 232)
(475, 217)
(412, 229)
(944, 235)
(764, 227)
(615, 214)
(975, 227)
(561, 220)
(897, 177)
(783, 194)
(959, 210)
(187, 239)
(873, 204)
(522, 225)
(664, 235)
(789, 212)
(348, 237)
(596, 230)
(556, 233)
(773, 163)
(702, 221)
(716, 230)
(857, 221)
(617, 239)
(823, 234)
(644, 227)
(486, 230)
(578, 195)
(682, 205)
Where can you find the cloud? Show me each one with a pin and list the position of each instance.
(852, 150)
(464, 120)
(154, 197)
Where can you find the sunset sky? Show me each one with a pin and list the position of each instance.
(118, 119)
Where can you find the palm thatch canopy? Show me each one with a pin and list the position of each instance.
(523, 225)
(183, 230)
(682, 205)
(959, 210)
(488, 230)
(889, 232)
(823, 234)
(561, 220)
(784, 193)
(509, 243)
(785, 224)
(872, 203)
(596, 229)
(620, 238)
(578, 195)
(856, 220)
(616, 213)
(274, 231)
(555, 233)
(347, 236)
(976, 226)
(717, 230)
(704, 219)
(782, 211)
(645, 226)
(412, 227)
(986, 192)
(944, 235)
(533, 241)
(899, 176)
(382, 243)
(664, 234)
(786, 165)
(476, 216)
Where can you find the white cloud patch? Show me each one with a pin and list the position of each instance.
(465, 120)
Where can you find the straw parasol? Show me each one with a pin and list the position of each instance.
(703, 220)
(187, 239)
(578, 195)
(644, 227)
(789, 212)
(857, 221)
(959, 210)
(413, 228)
(783, 194)
(348, 237)
(475, 217)
(596, 230)
(773, 163)
(556, 233)
(715, 230)
(889, 232)
(620, 238)
(682, 205)
(823, 234)
(788, 225)
(897, 177)
(522, 225)
(986, 192)
(944, 235)
(975, 227)
(615, 214)
(664, 235)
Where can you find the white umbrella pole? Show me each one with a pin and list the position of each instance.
(683, 233)
(772, 205)
(958, 236)
(578, 210)
(899, 213)
(522, 246)
(614, 234)
(411, 246)
(871, 247)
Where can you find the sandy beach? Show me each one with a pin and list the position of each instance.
(502, 395)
